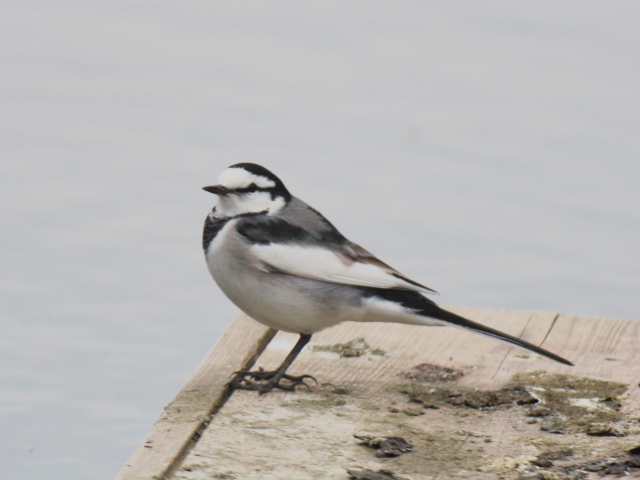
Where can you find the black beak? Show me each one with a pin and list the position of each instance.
(217, 190)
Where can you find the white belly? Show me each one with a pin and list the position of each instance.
(280, 301)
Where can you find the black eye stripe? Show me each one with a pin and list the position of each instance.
(251, 188)
(277, 190)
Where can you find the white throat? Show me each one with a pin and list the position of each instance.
(254, 202)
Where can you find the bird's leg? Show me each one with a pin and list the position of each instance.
(267, 381)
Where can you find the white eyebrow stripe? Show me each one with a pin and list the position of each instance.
(234, 178)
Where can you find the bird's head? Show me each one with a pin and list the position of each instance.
(248, 188)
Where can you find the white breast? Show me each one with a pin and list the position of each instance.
(283, 302)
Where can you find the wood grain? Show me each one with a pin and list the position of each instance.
(202, 395)
(309, 434)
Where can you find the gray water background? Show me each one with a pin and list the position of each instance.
(487, 149)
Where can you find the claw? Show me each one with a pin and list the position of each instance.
(264, 383)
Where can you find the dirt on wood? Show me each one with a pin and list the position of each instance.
(385, 446)
(539, 426)
(428, 372)
(367, 474)
(574, 409)
(565, 404)
(357, 347)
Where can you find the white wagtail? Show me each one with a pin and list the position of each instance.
(288, 267)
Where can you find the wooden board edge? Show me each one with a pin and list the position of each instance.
(203, 394)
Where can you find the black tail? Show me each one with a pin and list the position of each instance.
(425, 306)
(434, 311)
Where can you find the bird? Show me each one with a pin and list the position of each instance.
(285, 265)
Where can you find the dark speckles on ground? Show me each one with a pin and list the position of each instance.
(367, 474)
(577, 404)
(357, 347)
(566, 404)
(432, 397)
(456, 432)
(428, 372)
(546, 458)
(609, 467)
(385, 446)
(581, 413)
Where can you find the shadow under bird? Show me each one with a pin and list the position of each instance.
(288, 267)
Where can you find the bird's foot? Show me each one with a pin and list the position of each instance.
(263, 381)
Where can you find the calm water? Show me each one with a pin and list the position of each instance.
(490, 151)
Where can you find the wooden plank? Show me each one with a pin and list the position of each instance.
(202, 395)
(309, 434)
(603, 348)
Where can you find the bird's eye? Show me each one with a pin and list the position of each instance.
(251, 188)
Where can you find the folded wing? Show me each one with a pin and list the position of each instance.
(318, 252)
(328, 265)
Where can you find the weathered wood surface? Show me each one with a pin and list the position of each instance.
(203, 394)
(309, 434)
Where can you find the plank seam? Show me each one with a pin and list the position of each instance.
(506, 355)
(553, 324)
